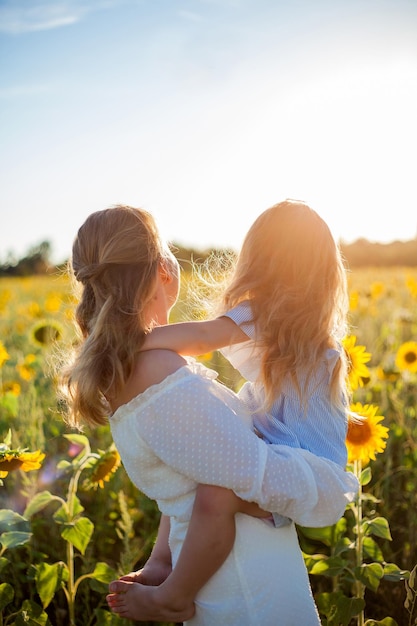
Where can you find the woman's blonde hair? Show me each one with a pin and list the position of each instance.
(291, 270)
(115, 257)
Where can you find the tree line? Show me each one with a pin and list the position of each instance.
(361, 253)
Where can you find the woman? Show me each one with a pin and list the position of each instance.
(176, 427)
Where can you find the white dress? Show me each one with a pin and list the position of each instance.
(190, 429)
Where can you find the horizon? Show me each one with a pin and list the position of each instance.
(13, 260)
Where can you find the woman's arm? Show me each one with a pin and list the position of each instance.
(194, 338)
(195, 428)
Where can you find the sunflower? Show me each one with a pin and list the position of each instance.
(4, 355)
(377, 289)
(53, 302)
(19, 459)
(12, 388)
(390, 374)
(353, 300)
(406, 358)
(104, 467)
(46, 332)
(358, 372)
(5, 296)
(412, 286)
(26, 370)
(365, 435)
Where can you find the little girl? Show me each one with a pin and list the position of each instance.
(284, 315)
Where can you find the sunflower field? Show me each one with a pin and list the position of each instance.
(70, 520)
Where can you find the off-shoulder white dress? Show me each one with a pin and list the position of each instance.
(190, 429)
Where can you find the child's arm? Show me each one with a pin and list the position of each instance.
(194, 338)
(210, 537)
(159, 565)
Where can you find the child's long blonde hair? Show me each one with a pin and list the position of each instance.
(115, 257)
(291, 270)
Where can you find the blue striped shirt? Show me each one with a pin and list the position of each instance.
(320, 428)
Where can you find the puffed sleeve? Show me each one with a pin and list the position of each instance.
(196, 428)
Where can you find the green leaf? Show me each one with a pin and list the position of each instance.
(64, 465)
(8, 438)
(412, 578)
(372, 550)
(370, 498)
(3, 562)
(77, 507)
(378, 527)
(10, 518)
(39, 502)
(79, 440)
(48, 580)
(370, 574)
(31, 614)
(10, 403)
(366, 476)
(311, 560)
(105, 618)
(387, 621)
(103, 573)
(325, 534)
(337, 608)
(62, 515)
(343, 545)
(328, 567)
(14, 538)
(6, 595)
(393, 573)
(79, 533)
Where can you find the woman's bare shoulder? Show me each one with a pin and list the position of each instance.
(151, 368)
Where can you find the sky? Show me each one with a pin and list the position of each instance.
(206, 113)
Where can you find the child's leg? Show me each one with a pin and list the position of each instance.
(209, 539)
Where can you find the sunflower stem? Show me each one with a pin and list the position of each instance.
(359, 587)
(71, 586)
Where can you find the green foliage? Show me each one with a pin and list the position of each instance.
(62, 541)
(351, 557)
(75, 528)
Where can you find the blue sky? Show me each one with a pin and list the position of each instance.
(206, 112)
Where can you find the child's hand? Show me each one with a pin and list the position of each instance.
(252, 509)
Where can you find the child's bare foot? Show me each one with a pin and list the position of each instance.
(153, 573)
(134, 601)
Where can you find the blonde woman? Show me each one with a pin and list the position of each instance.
(176, 427)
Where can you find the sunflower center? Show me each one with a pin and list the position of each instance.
(8, 465)
(105, 467)
(410, 357)
(46, 334)
(359, 433)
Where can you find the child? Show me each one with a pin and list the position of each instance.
(284, 315)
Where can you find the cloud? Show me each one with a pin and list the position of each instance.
(22, 16)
